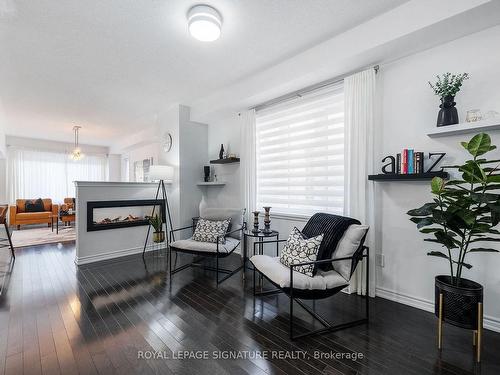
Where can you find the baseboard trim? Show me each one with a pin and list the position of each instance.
(110, 255)
(490, 322)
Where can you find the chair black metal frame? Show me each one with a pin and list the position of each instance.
(298, 294)
(203, 254)
(6, 242)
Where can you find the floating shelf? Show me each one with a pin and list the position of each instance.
(214, 183)
(407, 177)
(225, 161)
(465, 127)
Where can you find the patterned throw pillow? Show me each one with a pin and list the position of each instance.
(298, 249)
(208, 230)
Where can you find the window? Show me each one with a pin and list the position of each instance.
(44, 174)
(300, 154)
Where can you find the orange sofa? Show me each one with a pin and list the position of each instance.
(18, 216)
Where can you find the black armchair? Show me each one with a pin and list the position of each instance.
(212, 250)
(7, 241)
(325, 283)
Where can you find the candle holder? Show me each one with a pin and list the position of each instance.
(256, 222)
(267, 221)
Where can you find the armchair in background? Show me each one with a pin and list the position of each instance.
(69, 205)
(214, 250)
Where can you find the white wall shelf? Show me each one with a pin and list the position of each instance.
(214, 183)
(465, 127)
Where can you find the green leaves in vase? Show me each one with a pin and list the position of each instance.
(448, 84)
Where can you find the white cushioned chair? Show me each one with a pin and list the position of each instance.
(217, 250)
(339, 253)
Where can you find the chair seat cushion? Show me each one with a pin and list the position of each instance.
(279, 274)
(206, 247)
(33, 216)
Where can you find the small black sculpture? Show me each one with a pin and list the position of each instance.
(206, 170)
(221, 152)
(391, 164)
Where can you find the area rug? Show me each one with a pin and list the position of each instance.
(41, 236)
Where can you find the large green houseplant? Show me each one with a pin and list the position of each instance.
(462, 218)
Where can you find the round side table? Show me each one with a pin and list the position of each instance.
(261, 237)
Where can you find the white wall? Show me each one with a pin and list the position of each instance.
(139, 153)
(193, 156)
(2, 132)
(3, 181)
(187, 155)
(3, 152)
(114, 167)
(409, 109)
(225, 130)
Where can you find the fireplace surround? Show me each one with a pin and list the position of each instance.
(103, 215)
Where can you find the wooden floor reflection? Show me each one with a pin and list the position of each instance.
(56, 318)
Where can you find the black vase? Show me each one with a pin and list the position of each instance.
(448, 114)
(206, 171)
(221, 152)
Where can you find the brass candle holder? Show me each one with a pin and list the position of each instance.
(256, 222)
(267, 221)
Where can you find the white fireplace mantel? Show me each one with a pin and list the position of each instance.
(93, 246)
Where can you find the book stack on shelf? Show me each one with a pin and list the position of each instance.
(410, 162)
(409, 165)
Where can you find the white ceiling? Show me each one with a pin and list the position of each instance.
(111, 66)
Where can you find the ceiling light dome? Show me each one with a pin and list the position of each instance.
(204, 23)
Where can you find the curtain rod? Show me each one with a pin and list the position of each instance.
(308, 89)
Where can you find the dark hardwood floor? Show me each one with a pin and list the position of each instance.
(109, 317)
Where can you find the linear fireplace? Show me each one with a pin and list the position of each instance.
(102, 215)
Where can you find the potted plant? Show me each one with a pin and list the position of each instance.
(157, 223)
(446, 87)
(462, 217)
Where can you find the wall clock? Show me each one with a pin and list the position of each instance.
(167, 142)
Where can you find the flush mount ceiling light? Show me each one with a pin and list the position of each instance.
(204, 23)
(76, 154)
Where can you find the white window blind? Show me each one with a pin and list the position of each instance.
(300, 154)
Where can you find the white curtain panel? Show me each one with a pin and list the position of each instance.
(248, 169)
(359, 91)
(35, 174)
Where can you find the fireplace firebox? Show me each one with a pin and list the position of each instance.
(102, 215)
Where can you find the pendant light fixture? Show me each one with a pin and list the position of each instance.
(76, 154)
(204, 23)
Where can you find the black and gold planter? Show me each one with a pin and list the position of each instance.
(460, 305)
(159, 237)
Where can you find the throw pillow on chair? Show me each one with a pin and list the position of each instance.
(210, 230)
(299, 249)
